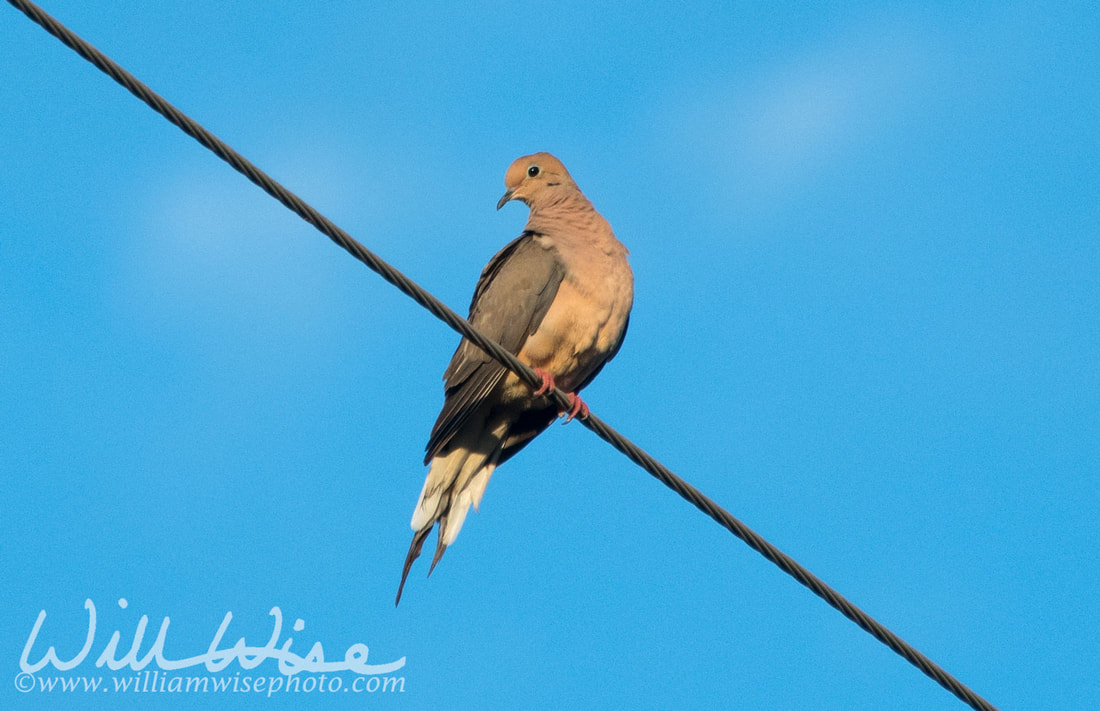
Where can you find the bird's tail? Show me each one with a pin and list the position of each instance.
(455, 482)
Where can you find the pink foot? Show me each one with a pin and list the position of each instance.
(547, 381)
(577, 408)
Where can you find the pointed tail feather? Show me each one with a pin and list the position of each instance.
(440, 549)
(414, 553)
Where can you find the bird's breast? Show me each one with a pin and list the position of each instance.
(585, 321)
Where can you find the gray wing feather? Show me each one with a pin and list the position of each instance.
(512, 296)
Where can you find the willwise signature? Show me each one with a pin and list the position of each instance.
(214, 659)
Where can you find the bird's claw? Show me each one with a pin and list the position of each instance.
(577, 408)
(547, 381)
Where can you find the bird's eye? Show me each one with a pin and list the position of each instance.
(533, 171)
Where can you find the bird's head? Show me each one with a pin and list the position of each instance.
(531, 177)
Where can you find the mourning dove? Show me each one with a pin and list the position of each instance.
(559, 297)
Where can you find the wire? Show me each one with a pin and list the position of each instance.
(459, 324)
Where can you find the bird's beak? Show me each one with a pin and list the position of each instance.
(507, 196)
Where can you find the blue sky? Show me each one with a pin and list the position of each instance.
(866, 242)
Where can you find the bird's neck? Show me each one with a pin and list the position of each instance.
(564, 204)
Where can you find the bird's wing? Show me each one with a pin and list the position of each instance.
(515, 291)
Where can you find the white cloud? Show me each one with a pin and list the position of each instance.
(208, 242)
(771, 132)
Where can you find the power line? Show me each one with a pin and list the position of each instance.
(459, 324)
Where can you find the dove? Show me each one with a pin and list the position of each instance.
(559, 298)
